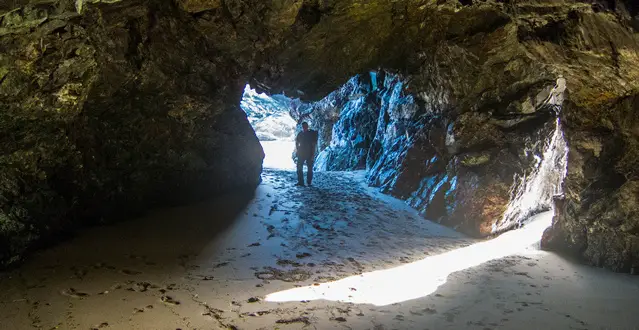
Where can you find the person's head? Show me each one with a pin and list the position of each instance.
(305, 126)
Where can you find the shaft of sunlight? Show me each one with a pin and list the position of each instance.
(420, 278)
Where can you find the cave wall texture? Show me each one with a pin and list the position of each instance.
(480, 175)
(112, 105)
(109, 112)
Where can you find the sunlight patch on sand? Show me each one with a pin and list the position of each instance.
(420, 278)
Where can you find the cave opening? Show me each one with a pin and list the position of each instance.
(428, 156)
(271, 119)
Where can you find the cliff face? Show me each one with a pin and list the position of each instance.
(598, 219)
(479, 173)
(109, 112)
(129, 102)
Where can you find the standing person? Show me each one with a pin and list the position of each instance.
(305, 144)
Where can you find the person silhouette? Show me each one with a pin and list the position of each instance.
(305, 144)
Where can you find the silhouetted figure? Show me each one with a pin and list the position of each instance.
(305, 144)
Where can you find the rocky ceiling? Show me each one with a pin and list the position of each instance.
(110, 107)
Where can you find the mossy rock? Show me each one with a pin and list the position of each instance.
(475, 160)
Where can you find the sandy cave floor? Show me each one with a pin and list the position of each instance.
(217, 264)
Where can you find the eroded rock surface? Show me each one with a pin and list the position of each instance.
(487, 80)
(479, 173)
(107, 113)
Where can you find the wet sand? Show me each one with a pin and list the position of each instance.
(217, 264)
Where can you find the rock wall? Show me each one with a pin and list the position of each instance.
(598, 218)
(480, 174)
(482, 75)
(345, 120)
(109, 112)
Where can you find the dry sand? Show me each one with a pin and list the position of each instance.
(214, 265)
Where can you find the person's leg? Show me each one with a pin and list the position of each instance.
(300, 170)
(309, 173)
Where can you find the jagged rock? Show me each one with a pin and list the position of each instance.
(599, 216)
(269, 115)
(495, 75)
(457, 170)
(345, 143)
(109, 113)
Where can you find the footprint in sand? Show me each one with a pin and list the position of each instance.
(284, 262)
(100, 326)
(294, 275)
(71, 292)
(116, 286)
(302, 255)
(80, 273)
(427, 311)
(169, 300)
(221, 264)
(143, 286)
(130, 272)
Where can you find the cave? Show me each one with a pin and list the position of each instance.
(476, 164)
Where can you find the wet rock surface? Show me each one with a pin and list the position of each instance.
(478, 173)
(213, 266)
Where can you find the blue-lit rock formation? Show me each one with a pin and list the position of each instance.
(269, 115)
(479, 173)
(347, 120)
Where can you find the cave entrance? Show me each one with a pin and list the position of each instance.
(274, 126)
(449, 168)
(481, 177)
